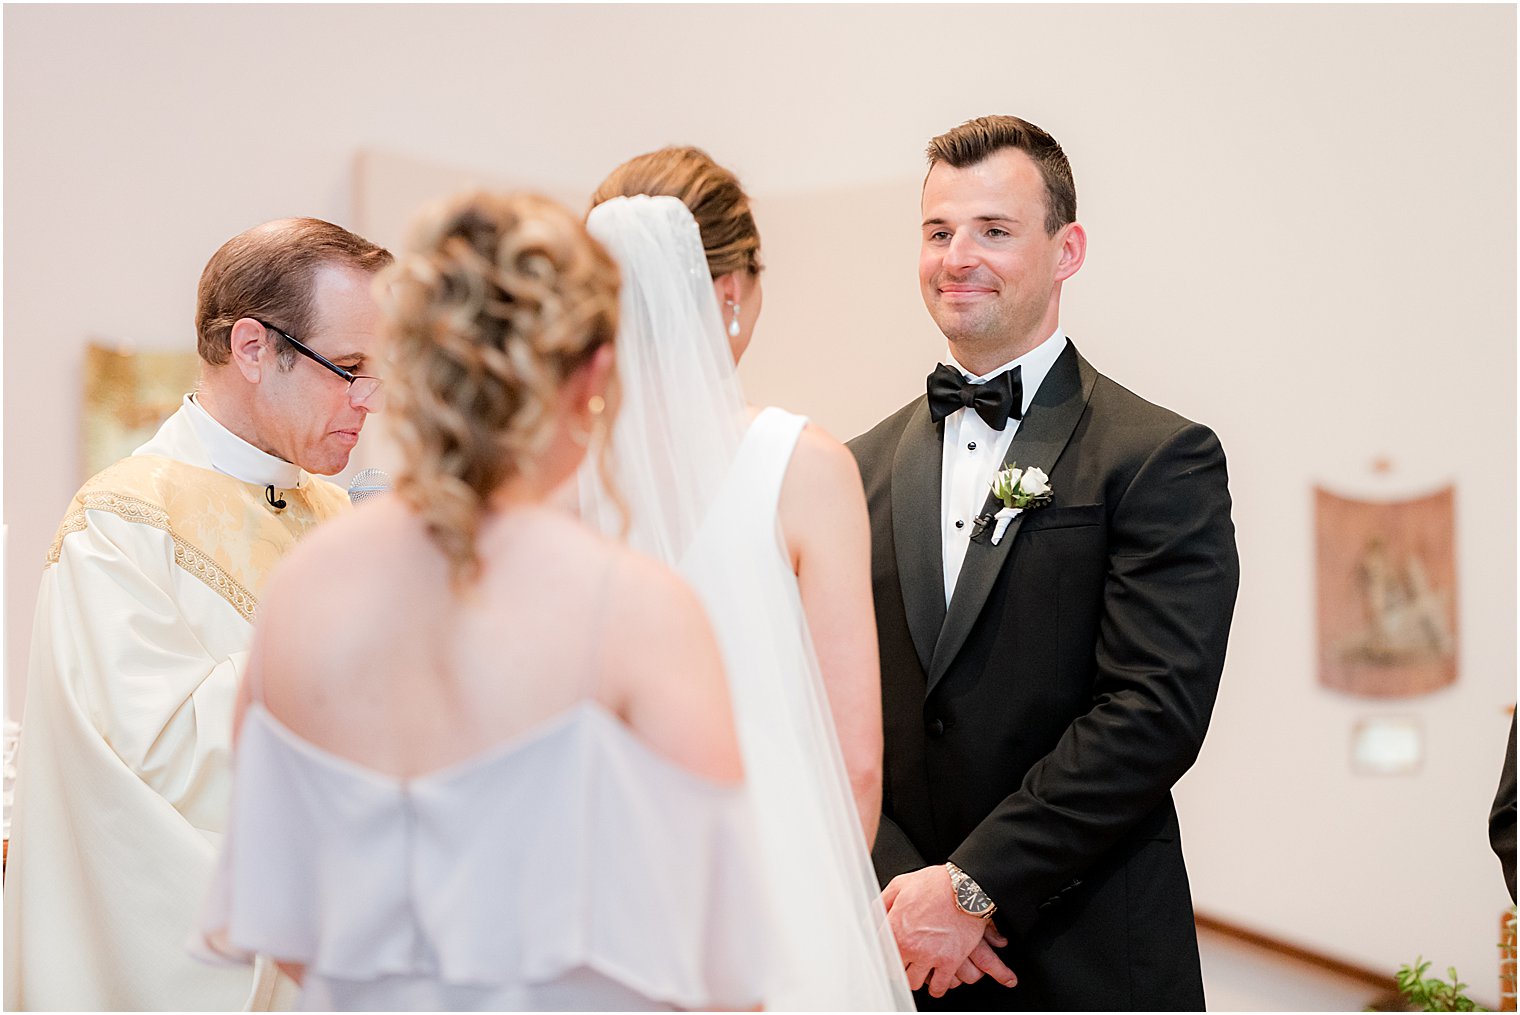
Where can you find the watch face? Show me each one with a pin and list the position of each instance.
(970, 898)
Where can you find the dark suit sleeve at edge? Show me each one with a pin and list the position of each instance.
(893, 852)
(1501, 819)
(1168, 601)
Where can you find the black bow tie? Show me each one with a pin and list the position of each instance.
(995, 401)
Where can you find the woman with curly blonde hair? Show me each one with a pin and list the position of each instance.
(486, 759)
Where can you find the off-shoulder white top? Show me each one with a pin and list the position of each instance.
(569, 867)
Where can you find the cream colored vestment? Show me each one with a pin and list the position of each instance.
(142, 628)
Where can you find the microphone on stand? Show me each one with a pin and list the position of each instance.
(368, 483)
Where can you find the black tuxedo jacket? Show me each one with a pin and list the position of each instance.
(1035, 728)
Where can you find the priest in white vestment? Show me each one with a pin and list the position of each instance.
(143, 622)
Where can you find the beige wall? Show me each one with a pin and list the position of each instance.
(1303, 234)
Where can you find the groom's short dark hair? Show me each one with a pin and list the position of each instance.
(979, 139)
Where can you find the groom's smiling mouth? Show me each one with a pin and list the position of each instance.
(958, 291)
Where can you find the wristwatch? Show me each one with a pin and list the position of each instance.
(969, 895)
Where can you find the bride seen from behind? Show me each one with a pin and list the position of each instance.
(486, 756)
(822, 507)
(764, 514)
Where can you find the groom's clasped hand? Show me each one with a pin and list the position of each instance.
(942, 946)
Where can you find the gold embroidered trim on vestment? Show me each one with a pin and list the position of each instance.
(72, 523)
(192, 560)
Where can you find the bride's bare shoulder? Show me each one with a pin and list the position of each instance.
(821, 464)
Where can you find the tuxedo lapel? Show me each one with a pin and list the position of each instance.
(1041, 438)
(916, 473)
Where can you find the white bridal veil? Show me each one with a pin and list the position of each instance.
(674, 443)
(682, 413)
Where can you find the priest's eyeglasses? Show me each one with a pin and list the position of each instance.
(361, 387)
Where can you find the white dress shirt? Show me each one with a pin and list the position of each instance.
(974, 452)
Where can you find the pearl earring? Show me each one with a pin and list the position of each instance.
(733, 322)
(596, 405)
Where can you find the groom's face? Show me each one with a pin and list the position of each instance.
(988, 269)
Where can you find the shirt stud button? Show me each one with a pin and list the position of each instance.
(960, 524)
(971, 446)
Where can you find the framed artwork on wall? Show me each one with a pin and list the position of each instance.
(1386, 594)
(127, 396)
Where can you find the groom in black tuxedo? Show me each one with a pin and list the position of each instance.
(1045, 685)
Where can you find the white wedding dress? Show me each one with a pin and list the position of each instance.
(702, 484)
(568, 868)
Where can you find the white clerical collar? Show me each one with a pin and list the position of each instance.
(237, 458)
(1033, 366)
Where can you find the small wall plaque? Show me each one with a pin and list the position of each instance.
(1393, 745)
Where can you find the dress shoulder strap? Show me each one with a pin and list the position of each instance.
(765, 453)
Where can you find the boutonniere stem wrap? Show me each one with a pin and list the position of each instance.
(1019, 490)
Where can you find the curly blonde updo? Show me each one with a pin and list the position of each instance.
(497, 301)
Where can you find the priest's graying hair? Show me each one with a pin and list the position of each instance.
(268, 273)
(977, 140)
(497, 301)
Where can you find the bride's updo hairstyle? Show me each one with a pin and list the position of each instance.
(712, 193)
(497, 301)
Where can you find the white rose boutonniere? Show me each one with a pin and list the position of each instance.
(1035, 484)
(1018, 489)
